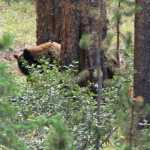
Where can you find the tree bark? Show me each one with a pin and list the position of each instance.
(93, 22)
(65, 21)
(48, 20)
(142, 51)
(70, 31)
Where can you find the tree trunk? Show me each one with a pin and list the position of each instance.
(66, 21)
(142, 51)
(48, 20)
(70, 31)
(118, 24)
(93, 23)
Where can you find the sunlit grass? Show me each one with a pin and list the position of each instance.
(20, 20)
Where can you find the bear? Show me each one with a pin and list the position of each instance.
(30, 56)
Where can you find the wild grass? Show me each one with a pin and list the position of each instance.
(19, 19)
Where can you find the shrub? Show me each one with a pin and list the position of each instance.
(6, 41)
(15, 129)
(53, 91)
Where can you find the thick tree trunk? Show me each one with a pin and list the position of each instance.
(67, 21)
(81, 17)
(142, 51)
(70, 31)
(48, 20)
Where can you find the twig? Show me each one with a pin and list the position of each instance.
(108, 136)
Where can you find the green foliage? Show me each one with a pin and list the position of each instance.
(11, 127)
(8, 135)
(85, 41)
(6, 41)
(19, 19)
(14, 127)
(7, 83)
(31, 120)
(120, 14)
(128, 42)
(119, 103)
(52, 92)
(59, 137)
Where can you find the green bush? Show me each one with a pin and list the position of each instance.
(55, 92)
(120, 104)
(8, 113)
(6, 41)
(59, 137)
(52, 92)
(15, 129)
(7, 83)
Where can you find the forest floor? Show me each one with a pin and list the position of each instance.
(8, 58)
(19, 20)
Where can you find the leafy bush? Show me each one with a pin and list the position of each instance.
(14, 128)
(7, 84)
(59, 137)
(8, 136)
(86, 41)
(6, 41)
(125, 113)
(52, 92)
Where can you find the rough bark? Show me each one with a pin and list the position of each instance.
(48, 20)
(67, 21)
(70, 31)
(81, 17)
(142, 51)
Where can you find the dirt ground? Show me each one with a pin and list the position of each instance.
(9, 59)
